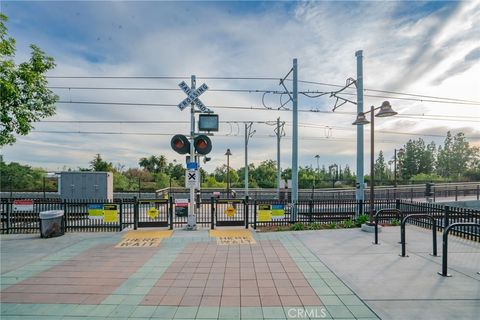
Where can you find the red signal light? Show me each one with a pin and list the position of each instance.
(202, 144)
(180, 144)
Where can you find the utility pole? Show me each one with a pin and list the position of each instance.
(248, 134)
(192, 218)
(360, 183)
(295, 142)
(278, 131)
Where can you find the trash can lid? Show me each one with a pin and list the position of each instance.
(51, 214)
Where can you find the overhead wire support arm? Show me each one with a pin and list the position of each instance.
(349, 83)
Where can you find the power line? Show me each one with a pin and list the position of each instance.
(170, 134)
(162, 89)
(126, 104)
(306, 93)
(266, 79)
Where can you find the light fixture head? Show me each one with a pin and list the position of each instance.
(386, 110)
(228, 153)
(361, 119)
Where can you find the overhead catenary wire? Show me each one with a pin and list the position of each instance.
(260, 79)
(170, 134)
(125, 104)
(308, 93)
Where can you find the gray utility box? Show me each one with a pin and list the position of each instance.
(86, 185)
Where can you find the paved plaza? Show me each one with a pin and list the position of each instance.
(236, 274)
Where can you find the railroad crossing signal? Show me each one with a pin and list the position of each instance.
(192, 97)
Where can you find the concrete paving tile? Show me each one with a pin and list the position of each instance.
(331, 300)
(339, 312)
(143, 312)
(251, 312)
(351, 300)
(273, 313)
(324, 291)
(186, 313)
(342, 290)
(229, 313)
(122, 311)
(81, 310)
(207, 313)
(101, 311)
(166, 312)
(361, 311)
(133, 299)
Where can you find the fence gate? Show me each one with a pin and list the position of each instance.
(153, 213)
(230, 212)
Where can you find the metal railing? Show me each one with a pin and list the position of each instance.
(245, 212)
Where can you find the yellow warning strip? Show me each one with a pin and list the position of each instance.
(232, 237)
(139, 234)
(143, 238)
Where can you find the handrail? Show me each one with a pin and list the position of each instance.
(434, 231)
(445, 244)
(377, 216)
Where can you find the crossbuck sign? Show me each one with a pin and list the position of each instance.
(192, 96)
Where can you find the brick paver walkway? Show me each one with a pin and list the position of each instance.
(189, 276)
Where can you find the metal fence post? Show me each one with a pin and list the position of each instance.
(446, 221)
(65, 215)
(360, 207)
(478, 191)
(120, 225)
(170, 211)
(456, 193)
(212, 213)
(310, 211)
(247, 210)
(255, 215)
(135, 213)
(402, 236)
(9, 210)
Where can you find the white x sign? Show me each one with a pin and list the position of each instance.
(192, 96)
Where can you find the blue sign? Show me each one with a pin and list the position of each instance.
(192, 165)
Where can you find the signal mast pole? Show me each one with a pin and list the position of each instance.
(192, 218)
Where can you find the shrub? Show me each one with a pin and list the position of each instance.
(332, 225)
(395, 222)
(297, 227)
(362, 219)
(349, 224)
(314, 226)
(281, 228)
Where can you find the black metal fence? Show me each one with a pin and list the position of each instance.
(217, 212)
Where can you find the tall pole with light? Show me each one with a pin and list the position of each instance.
(318, 170)
(385, 111)
(399, 153)
(228, 154)
(360, 180)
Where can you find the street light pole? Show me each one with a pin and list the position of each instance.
(372, 163)
(385, 111)
(228, 154)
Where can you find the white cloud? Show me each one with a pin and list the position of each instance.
(402, 52)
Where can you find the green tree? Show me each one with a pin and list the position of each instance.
(266, 174)
(98, 164)
(24, 97)
(456, 156)
(153, 164)
(416, 158)
(380, 168)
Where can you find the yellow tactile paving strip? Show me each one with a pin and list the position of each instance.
(232, 237)
(143, 238)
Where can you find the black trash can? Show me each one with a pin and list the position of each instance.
(52, 223)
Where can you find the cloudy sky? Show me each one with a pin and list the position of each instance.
(431, 49)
